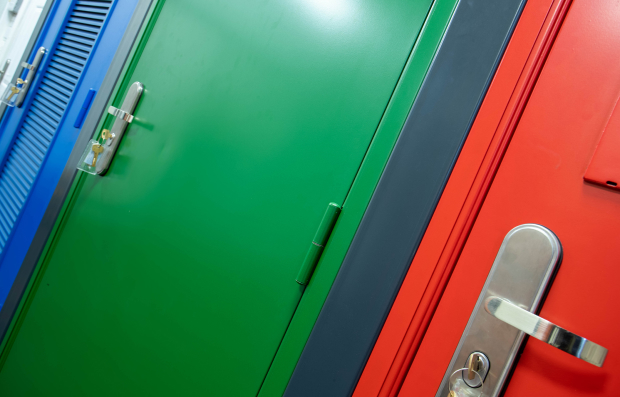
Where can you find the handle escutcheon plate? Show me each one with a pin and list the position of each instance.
(124, 116)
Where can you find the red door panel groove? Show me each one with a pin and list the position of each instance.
(604, 169)
(540, 180)
(413, 309)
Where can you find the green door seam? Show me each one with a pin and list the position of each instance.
(358, 196)
(393, 119)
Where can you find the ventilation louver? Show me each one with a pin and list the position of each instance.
(50, 103)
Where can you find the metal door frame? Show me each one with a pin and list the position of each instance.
(405, 199)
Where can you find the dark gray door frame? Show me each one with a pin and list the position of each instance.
(405, 199)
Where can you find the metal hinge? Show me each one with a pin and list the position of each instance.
(318, 243)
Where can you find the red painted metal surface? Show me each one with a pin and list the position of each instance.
(540, 180)
(604, 168)
(461, 201)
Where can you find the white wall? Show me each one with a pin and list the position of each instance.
(3, 4)
(15, 32)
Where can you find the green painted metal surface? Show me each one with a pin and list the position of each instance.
(175, 273)
(359, 196)
(318, 243)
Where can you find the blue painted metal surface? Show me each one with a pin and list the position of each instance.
(36, 139)
(84, 110)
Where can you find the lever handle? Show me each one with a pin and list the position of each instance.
(124, 116)
(4, 69)
(32, 70)
(545, 331)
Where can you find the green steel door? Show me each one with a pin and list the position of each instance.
(174, 274)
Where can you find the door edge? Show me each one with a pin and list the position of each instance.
(24, 286)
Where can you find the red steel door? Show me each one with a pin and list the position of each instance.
(541, 180)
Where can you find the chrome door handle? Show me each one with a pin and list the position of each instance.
(521, 275)
(98, 156)
(545, 331)
(4, 69)
(32, 70)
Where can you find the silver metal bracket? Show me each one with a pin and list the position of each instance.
(546, 331)
(120, 114)
(115, 135)
(32, 70)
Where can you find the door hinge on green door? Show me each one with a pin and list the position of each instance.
(318, 243)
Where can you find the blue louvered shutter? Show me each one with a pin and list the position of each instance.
(49, 104)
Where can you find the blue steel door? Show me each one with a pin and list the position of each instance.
(36, 139)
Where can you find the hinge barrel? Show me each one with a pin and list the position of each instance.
(318, 243)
